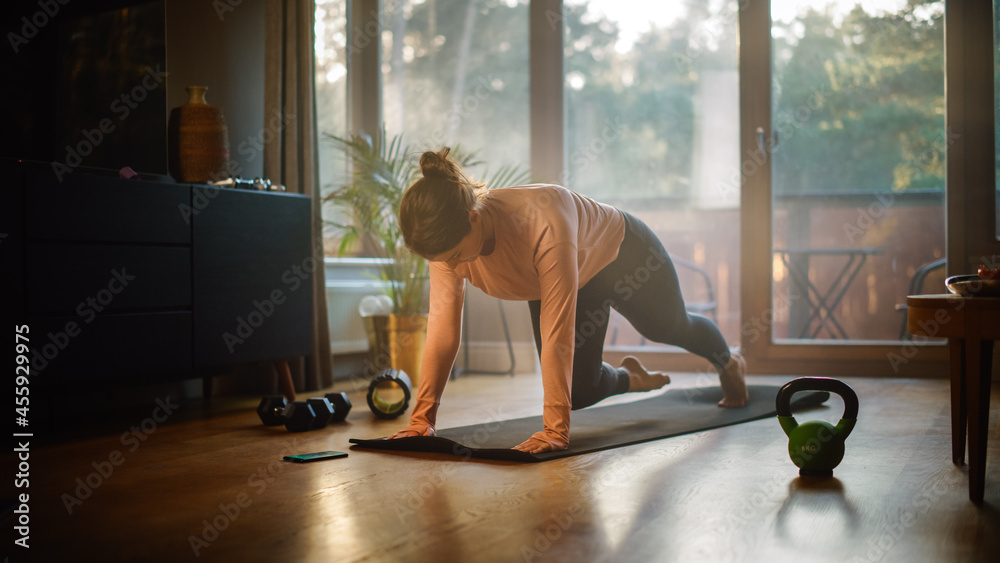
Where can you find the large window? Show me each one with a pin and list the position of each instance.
(452, 74)
(456, 73)
(331, 94)
(830, 147)
(858, 153)
(996, 110)
(652, 126)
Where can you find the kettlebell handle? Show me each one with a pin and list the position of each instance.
(783, 402)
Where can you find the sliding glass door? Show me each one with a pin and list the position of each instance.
(652, 127)
(843, 165)
(858, 149)
(793, 155)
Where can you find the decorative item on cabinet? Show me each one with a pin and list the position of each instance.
(198, 146)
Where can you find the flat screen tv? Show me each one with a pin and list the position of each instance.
(88, 85)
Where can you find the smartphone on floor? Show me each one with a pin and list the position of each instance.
(316, 456)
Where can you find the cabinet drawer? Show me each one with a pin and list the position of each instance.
(252, 283)
(106, 209)
(86, 279)
(111, 344)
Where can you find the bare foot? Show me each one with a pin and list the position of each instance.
(732, 379)
(639, 379)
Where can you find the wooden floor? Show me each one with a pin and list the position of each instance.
(209, 485)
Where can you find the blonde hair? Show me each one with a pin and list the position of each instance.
(434, 211)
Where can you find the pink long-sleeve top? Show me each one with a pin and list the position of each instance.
(550, 241)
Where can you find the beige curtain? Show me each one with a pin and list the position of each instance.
(290, 158)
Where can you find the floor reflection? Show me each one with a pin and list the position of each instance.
(816, 514)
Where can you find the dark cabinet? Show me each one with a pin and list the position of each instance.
(253, 265)
(154, 280)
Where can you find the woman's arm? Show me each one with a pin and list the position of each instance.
(558, 275)
(444, 329)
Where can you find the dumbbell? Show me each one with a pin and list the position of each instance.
(297, 416)
(300, 416)
(341, 405)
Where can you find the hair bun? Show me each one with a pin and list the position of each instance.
(438, 165)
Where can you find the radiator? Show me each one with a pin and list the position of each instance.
(347, 281)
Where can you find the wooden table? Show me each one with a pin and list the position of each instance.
(970, 324)
(822, 301)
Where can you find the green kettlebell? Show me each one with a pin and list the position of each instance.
(816, 447)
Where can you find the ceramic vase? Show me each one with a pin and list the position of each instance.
(198, 144)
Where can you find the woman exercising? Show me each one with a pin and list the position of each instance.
(572, 259)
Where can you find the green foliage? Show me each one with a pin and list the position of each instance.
(863, 100)
(382, 168)
(880, 124)
(858, 97)
(458, 72)
(380, 174)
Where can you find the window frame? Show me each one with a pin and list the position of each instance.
(970, 189)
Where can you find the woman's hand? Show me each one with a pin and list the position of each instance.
(414, 430)
(535, 445)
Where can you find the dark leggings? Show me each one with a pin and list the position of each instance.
(642, 286)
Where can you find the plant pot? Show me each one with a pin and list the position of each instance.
(377, 330)
(407, 335)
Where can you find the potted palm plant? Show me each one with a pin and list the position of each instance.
(381, 170)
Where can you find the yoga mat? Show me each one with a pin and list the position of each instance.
(676, 412)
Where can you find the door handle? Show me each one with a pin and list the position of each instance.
(761, 146)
